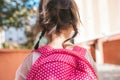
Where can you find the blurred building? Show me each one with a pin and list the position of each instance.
(2, 37)
(100, 19)
(13, 35)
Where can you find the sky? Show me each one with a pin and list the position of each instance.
(33, 3)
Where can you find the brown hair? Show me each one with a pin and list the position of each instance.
(56, 15)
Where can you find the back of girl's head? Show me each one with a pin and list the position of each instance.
(57, 15)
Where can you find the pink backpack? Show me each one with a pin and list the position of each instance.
(61, 64)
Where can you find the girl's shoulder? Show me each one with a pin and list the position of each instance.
(35, 56)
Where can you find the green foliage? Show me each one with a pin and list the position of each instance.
(15, 13)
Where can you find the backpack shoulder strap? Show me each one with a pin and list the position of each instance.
(43, 49)
(79, 50)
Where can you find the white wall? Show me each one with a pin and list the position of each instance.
(99, 18)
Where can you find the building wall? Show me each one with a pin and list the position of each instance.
(15, 35)
(100, 20)
(99, 17)
(10, 60)
(112, 52)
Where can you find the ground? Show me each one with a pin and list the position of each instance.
(108, 72)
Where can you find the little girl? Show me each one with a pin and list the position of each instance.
(58, 21)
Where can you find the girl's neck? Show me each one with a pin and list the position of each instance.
(56, 41)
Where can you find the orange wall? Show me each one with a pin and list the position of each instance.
(111, 51)
(109, 47)
(92, 51)
(9, 62)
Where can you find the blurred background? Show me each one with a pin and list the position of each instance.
(99, 33)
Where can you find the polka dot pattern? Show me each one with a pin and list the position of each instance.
(61, 64)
